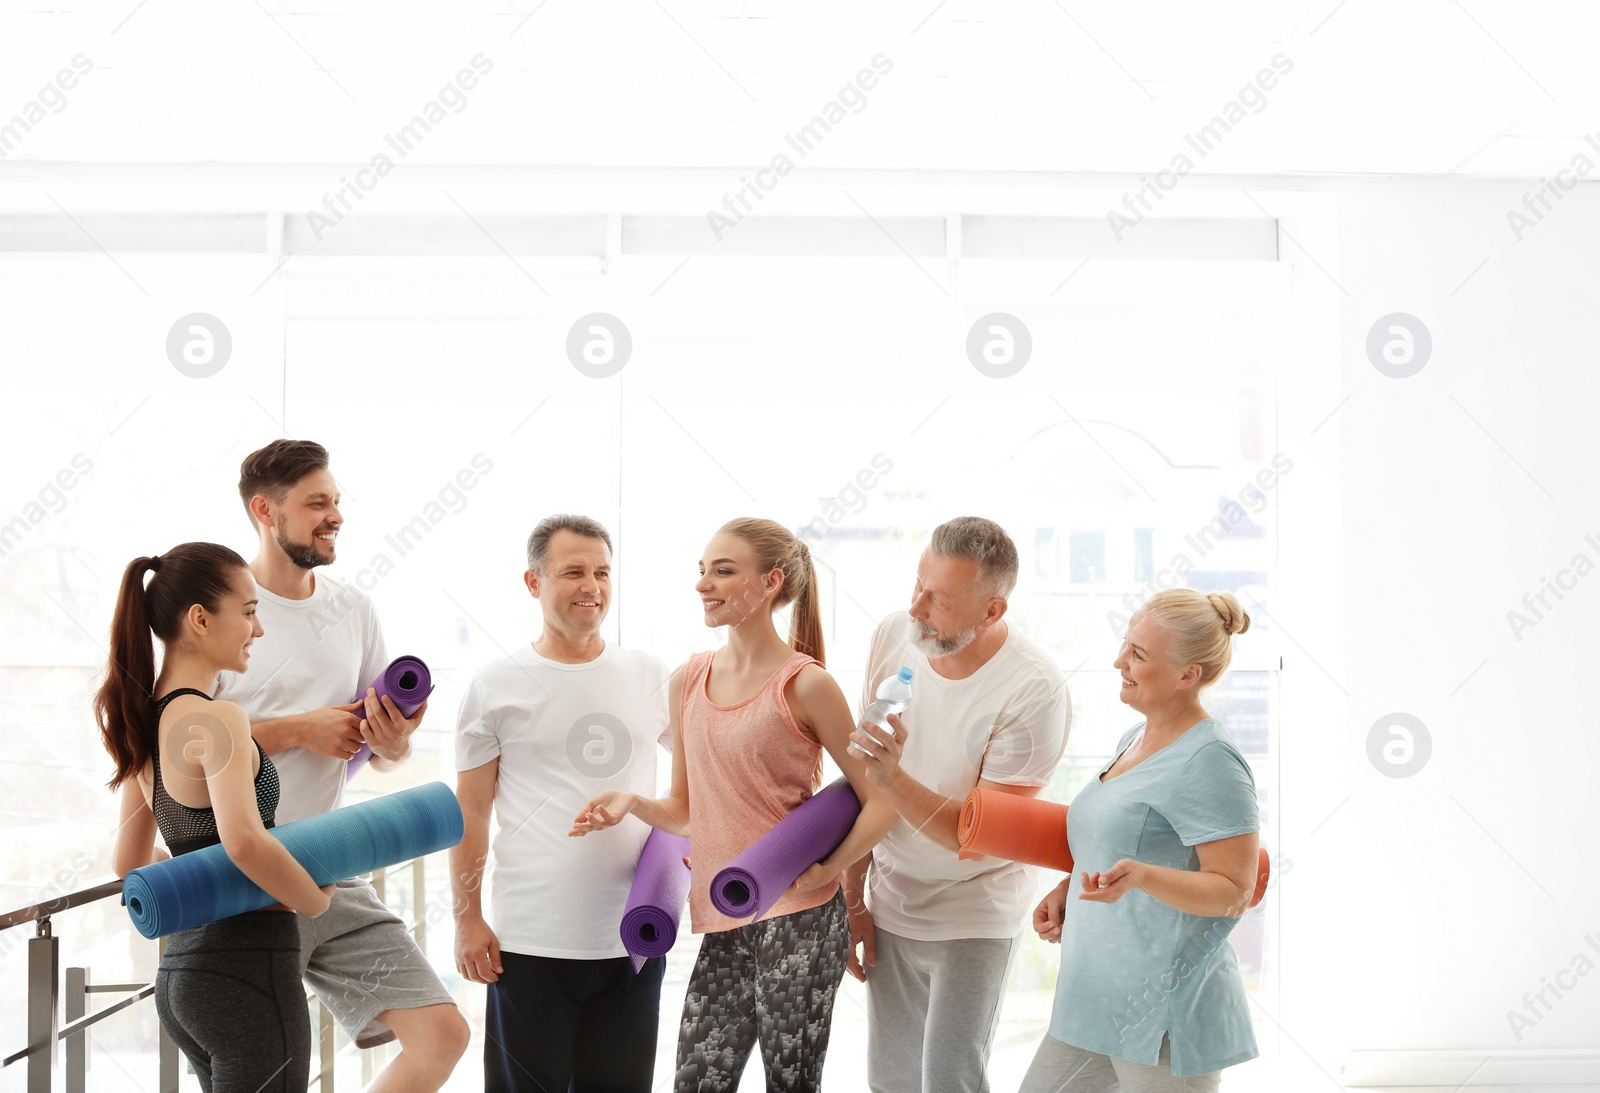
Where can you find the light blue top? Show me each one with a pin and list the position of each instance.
(1136, 970)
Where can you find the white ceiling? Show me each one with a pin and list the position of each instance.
(1476, 87)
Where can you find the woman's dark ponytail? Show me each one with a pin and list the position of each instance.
(188, 574)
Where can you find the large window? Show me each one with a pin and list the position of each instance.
(1135, 450)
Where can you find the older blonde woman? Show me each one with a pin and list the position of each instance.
(1149, 998)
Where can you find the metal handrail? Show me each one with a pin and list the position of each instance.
(139, 992)
(35, 911)
(44, 1020)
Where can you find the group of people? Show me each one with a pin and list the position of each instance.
(247, 723)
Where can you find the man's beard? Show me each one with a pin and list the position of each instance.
(933, 648)
(305, 556)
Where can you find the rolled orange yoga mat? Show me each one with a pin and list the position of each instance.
(1263, 874)
(1034, 832)
(1023, 829)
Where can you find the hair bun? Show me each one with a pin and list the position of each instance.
(1235, 619)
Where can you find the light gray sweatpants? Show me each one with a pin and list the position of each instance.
(933, 1007)
(1061, 1068)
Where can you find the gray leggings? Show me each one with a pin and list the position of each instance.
(1061, 1068)
(771, 983)
(229, 994)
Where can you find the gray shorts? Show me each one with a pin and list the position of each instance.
(361, 960)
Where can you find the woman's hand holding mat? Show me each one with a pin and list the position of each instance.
(748, 886)
(205, 885)
(816, 877)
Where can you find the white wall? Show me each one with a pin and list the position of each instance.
(1424, 907)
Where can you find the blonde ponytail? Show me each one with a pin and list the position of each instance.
(776, 547)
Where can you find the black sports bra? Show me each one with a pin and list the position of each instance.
(185, 828)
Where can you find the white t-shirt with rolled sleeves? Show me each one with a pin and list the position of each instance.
(563, 733)
(315, 652)
(1007, 723)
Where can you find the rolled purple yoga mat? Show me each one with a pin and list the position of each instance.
(755, 880)
(408, 683)
(655, 902)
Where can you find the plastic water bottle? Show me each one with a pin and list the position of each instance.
(893, 696)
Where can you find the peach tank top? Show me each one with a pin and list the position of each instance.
(749, 766)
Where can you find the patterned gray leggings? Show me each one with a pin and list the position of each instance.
(771, 983)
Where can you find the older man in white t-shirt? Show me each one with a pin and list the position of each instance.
(989, 708)
(541, 732)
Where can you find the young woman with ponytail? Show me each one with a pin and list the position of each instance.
(750, 722)
(229, 992)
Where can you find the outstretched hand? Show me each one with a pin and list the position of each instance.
(1111, 885)
(606, 810)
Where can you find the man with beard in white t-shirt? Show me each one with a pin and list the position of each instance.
(541, 732)
(321, 644)
(989, 708)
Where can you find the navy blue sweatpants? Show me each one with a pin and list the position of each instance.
(588, 1026)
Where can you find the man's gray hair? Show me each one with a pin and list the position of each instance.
(539, 541)
(986, 543)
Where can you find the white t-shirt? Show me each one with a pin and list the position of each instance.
(1007, 722)
(563, 733)
(314, 652)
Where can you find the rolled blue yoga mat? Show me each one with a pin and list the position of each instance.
(751, 883)
(204, 885)
(408, 683)
(655, 902)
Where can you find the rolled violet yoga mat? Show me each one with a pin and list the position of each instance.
(409, 683)
(204, 885)
(751, 883)
(655, 902)
(1023, 829)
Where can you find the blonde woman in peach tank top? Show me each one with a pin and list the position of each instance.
(750, 722)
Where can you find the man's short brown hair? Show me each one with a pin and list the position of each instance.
(273, 470)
